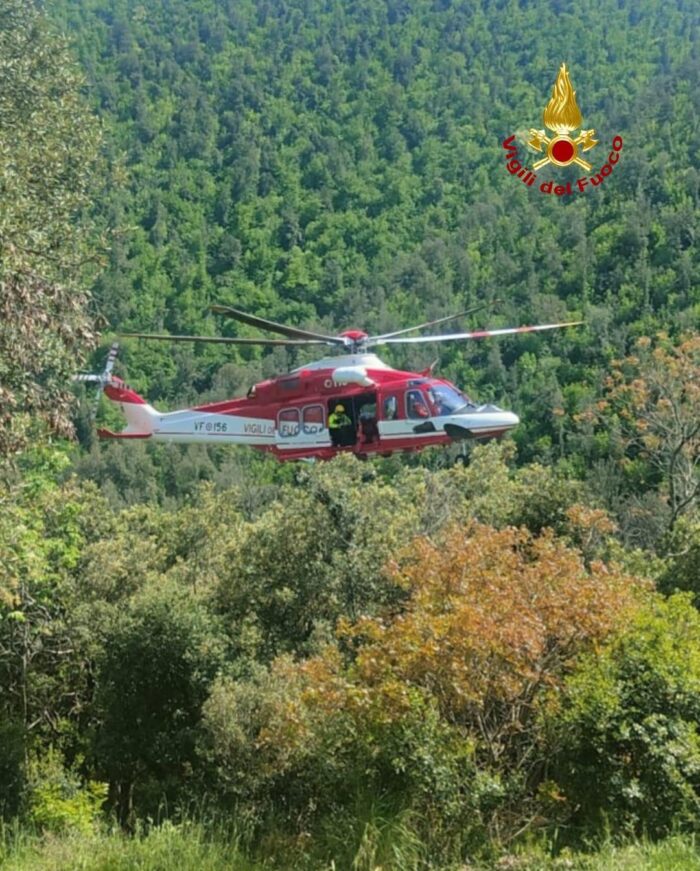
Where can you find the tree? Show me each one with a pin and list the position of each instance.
(153, 677)
(655, 395)
(624, 747)
(49, 167)
(439, 698)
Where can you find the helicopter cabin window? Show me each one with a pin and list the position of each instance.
(313, 419)
(416, 406)
(288, 423)
(391, 407)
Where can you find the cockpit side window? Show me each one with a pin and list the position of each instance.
(446, 400)
(416, 406)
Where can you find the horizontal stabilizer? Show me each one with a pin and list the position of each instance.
(108, 434)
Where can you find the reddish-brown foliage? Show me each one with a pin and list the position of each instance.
(493, 617)
(444, 687)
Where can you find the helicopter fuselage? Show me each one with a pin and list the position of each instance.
(384, 409)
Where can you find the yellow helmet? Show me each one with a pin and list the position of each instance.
(340, 408)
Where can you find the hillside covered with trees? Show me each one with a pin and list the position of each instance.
(343, 167)
(214, 661)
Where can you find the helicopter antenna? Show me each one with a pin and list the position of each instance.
(101, 379)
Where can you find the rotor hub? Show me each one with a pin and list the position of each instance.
(354, 338)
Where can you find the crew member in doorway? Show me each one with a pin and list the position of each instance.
(337, 423)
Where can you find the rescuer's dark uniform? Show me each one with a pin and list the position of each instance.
(338, 424)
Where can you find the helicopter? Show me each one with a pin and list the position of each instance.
(382, 410)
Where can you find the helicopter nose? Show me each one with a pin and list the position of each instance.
(488, 421)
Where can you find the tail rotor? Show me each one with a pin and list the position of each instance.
(102, 379)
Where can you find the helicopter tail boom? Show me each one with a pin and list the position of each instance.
(140, 416)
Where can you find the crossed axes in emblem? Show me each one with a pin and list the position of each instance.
(540, 138)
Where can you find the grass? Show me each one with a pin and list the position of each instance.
(383, 846)
(183, 848)
(673, 854)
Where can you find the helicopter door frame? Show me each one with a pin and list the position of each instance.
(391, 417)
(402, 424)
(300, 426)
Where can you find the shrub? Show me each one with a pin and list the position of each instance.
(58, 800)
(625, 747)
(434, 707)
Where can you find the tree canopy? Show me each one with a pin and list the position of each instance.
(49, 173)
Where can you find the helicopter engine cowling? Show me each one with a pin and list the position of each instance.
(352, 375)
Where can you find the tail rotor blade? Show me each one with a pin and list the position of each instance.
(101, 379)
(111, 358)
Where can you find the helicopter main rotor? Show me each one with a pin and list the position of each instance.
(349, 341)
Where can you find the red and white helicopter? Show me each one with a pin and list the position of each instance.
(384, 409)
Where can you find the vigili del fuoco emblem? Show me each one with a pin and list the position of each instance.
(561, 117)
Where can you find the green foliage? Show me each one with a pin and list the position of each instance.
(373, 835)
(433, 704)
(49, 169)
(157, 661)
(12, 768)
(315, 553)
(46, 633)
(385, 840)
(57, 801)
(311, 649)
(340, 167)
(653, 400)
(626, 749)
(682, 564)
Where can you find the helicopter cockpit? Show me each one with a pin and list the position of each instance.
(446, 399)
(424, 398)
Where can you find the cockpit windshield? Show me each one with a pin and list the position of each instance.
(447, 400)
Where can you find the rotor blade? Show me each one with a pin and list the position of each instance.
(477, 334)
(224, 340)
(273, 327)
(101, 381)
(94, 379)
(111, 358)
(427, 324)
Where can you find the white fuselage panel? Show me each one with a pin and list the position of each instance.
(199, 426)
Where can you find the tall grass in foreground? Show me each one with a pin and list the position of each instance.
(673, 854)
(383, 846)
(167, 847)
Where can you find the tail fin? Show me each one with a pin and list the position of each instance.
(141, 417)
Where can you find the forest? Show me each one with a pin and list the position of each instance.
(212, 660)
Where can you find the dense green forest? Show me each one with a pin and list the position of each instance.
(211, 660)
(343, 167)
